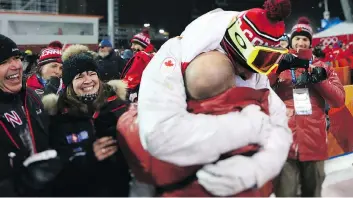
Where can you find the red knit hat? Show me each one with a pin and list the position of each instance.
(142, 38)
(55, 44)
(266, 26)
(260, 26)
(302, 28)
(50, 55)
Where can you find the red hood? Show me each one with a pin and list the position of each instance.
(234, 99)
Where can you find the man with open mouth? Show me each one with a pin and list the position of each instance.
(23, 132)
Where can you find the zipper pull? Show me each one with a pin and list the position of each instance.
(11, 155)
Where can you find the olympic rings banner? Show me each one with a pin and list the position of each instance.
(348, 39)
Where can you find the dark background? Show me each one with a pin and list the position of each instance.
(174, 15)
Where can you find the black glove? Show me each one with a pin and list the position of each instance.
(318, 52)
(318, 74)
(52, 86)
(303, 79)
(39, 171)
(289, 61)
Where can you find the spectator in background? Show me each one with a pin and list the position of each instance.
(284, 41)
(132, 72)
(305, 165)
(110, 65)
(329, 56)
(26, 166)
(345, 52)
(83, 129)
(48, 72)
(29, 63)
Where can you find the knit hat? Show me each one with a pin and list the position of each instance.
(8, 48)
(105, 43)
(260, 27)
(55, 44)
(142, 38)
(77, 59)
(49, 55)
(302, 28)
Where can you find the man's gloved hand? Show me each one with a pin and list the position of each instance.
(228, 177)
(303, 79)
(318, 74)
(52, 86)
(40, 169)
(290, 61)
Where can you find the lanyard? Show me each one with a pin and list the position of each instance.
(292, 72)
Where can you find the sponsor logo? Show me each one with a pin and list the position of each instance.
(13, 118)
(77, 138)
(50, 52)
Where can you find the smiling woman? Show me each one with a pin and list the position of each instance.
(86, 83)
(82, 128)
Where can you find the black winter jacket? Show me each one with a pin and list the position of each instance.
(18, 113)
(73, 135)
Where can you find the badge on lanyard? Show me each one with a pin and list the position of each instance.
(302, 104)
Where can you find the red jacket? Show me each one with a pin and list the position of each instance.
(34, 84)
(309, 131)
(178, 181)
(132, 72)
(329, 56)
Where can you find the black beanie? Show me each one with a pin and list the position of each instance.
(8, 48)
(77, 64)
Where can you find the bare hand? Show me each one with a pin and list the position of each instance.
(104, 148)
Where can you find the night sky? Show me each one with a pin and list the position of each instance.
(174, 15)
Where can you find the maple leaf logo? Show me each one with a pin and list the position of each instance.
(169, 63)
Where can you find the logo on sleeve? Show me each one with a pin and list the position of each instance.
(168, 66)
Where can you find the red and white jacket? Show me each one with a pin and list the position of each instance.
(172, 134)
(133, 70)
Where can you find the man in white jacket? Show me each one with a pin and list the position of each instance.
(172, 134)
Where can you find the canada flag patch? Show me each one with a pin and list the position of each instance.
(168, 66)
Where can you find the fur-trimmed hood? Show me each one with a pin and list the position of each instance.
(77, 49)
(50, 101)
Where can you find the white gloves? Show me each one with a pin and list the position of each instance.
(259, 120)
(239, 173)
(228, 177)
(40, 157)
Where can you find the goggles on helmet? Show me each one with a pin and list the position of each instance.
(262, 59)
